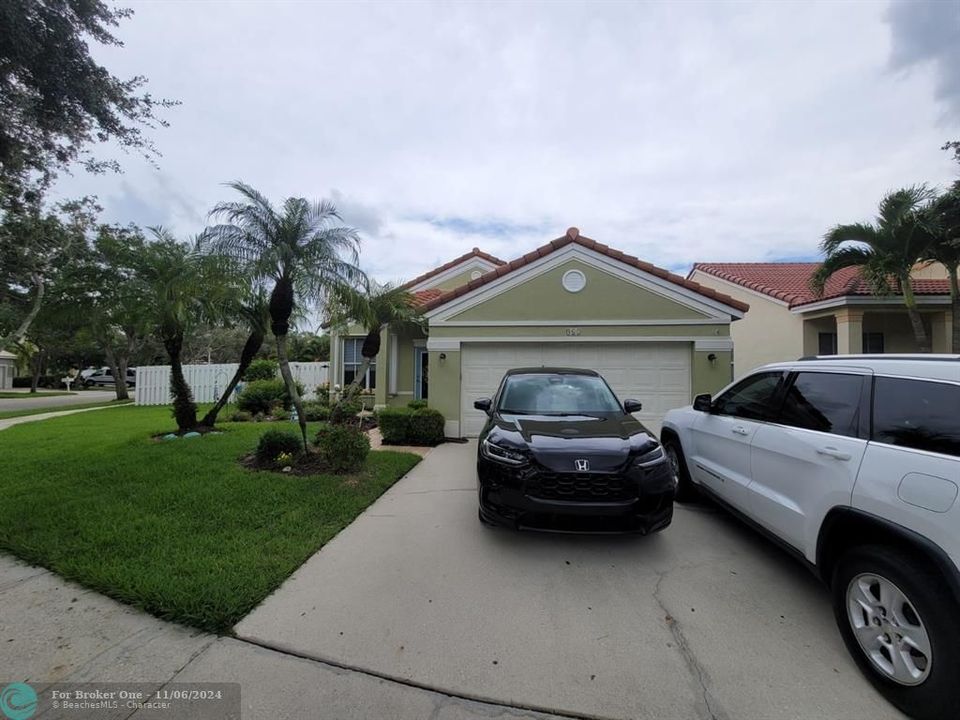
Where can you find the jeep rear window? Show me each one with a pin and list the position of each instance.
(917, 414)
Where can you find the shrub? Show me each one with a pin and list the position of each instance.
(417, 404)
(261, 369)
(260, 396)
(241, 416)
(323, 394)
(342, 448)
(426, 427)
(394, 425)
(316, 412)
(345, 413)
(285, 398)
(274, 442)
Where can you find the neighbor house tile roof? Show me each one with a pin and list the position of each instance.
(573, 236)
(423, 296)
(790, 282)
(476, 252)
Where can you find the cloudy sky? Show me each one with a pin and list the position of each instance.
(678, 132)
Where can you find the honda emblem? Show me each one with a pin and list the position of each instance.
(581, 465)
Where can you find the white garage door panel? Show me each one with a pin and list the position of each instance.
(656, 374)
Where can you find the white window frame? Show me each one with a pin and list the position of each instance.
(343, 362)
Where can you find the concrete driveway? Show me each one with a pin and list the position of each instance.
(56, 401)
(705, 620)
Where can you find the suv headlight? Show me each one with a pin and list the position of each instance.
(505, 455)
(651, 457)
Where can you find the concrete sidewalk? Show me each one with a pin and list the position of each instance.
(10, 422)
(52, 630)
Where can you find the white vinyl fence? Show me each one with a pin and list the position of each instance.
(208, 381)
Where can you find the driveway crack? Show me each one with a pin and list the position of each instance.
(689, 658)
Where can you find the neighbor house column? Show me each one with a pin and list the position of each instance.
(941, 332)
(849, 331)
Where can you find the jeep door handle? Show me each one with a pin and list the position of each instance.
(740, 430)
(834, 453)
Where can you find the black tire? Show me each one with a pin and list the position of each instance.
(686, 490)
(937, 697)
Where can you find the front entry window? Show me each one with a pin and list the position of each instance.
(353, 360)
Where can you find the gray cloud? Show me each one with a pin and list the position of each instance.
(674, 131)
(928, 32)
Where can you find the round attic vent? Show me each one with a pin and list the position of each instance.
(574, 281)
(475, 275)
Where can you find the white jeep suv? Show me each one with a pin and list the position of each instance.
(853, 463)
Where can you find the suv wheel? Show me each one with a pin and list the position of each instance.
(686, 490)
(901, 629)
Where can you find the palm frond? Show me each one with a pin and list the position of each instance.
(838, 260)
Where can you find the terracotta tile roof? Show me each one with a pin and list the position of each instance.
(790, 282)
(573, 236)
(476, 252)
(423, 296)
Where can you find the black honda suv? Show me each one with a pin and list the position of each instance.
(559, 452)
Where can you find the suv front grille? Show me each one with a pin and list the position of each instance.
(580, 487)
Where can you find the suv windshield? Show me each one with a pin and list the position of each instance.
(557, 394)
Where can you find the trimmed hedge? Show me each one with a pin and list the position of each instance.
(342, 448)
(410, 426)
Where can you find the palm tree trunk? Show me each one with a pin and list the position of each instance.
(184, 408)
(250, 350)
(119, 374)
(287, 376)
(916, 322)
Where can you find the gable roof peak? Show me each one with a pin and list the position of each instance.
(573, 236)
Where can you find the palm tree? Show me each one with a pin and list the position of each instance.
(299, 247)
(886, 251)
(372, 306)
(255, 312)
(183, 287)
(945, 249)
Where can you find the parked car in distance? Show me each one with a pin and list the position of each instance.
(853, 464)
(560, 452)
(104, 377)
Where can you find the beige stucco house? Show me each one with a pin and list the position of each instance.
(787, 320)
(656, 336)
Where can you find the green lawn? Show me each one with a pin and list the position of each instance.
(5, 395)
(177, 528)
(4, 414)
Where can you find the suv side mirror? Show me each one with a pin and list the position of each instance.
(483, 404)
(632, 406)
(703, 403)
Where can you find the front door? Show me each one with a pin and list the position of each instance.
(421, 380)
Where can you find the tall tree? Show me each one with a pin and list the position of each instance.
(300, 248)
(885, 251)
(56, 100)
(36, 244)
(373, 306)
(184, 287)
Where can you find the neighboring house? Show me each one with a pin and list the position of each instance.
(8, 369)
(787, 320)
(655, 336)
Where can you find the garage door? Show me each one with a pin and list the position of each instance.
(656, 374)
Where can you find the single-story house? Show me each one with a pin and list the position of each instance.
(656, 336)
(787, 320)
(8, 369)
